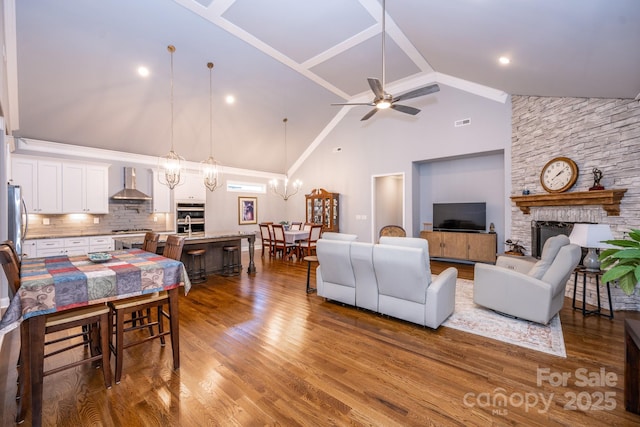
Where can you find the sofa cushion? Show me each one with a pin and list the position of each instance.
(551, 248)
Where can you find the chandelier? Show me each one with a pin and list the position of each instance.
(170, 164)
(275, 185)
(211, 170)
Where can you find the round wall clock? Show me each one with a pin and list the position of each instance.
(559, 174)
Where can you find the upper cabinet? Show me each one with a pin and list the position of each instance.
(85, 188)
(322, 208)
(58, 186)
(161, 196)
(193, 189)
(41, 182)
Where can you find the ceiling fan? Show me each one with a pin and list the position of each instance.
(382, 99)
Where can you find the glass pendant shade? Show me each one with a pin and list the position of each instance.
(283, 191)
(170, 165)
(211, 169)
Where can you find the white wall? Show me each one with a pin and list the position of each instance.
(392, 142)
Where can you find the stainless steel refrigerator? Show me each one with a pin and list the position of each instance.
(18, 217)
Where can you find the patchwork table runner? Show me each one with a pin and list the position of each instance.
(59, 283)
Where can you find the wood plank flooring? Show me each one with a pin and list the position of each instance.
(257, 350)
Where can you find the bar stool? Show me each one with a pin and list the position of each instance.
(231, 261)
(197, 272)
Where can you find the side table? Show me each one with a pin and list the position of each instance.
(595, 273)
(310, 259)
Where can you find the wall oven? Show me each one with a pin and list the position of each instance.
(190, 218)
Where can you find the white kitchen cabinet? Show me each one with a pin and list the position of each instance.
(85, 188)
(29, 249)
(161, 196)
(100, 244)
(41, 182)
(193, 189)
(70, 246)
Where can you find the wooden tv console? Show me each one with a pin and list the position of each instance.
(480, 247)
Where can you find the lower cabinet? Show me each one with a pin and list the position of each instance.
(70, 246)
(481, 247)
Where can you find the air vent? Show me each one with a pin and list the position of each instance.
(463, 122)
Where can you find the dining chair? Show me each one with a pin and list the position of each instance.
(392, 231)
(150, 243)
(121, 309)
(280, 243)
(265, 235)
(296, 225)
(307, 246)
(307, 226)
(91, 323)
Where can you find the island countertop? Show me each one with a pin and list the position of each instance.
(210, 241)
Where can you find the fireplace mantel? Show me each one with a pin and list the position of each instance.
(609, 199)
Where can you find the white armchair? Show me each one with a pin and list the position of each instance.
(532, 292)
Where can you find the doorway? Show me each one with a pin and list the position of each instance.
(388, 202)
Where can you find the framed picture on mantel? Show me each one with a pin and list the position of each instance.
(247, 210)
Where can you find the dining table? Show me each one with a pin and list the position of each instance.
(293, 236)
(58, 283)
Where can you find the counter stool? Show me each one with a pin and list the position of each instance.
(197, 273)
(231, 261)
(310, 259)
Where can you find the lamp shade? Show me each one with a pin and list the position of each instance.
(591, 235)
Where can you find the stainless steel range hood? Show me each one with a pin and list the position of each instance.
(129, 192)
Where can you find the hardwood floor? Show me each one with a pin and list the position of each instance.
(257, 350)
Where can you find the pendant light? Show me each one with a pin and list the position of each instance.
(170, 165)
(211, 170)
(275, 187)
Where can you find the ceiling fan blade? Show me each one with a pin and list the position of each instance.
(426, 90)
(371, 104)
(376, 87)
(369, 114)
(405, 109)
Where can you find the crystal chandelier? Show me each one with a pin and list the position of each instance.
(211, 170)
(275, 187)
(170, 165)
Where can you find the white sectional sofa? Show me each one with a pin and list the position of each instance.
(392, 277)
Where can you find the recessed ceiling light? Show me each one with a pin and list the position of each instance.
(230, 99)
(504, 60)
(143, 71)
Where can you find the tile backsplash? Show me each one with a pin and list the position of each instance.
(120, 216)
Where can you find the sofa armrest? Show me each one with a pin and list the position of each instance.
(441, 297)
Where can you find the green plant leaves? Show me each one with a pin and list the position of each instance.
(624, 263)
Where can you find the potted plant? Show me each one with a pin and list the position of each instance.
(624, 262)
(285, 225)
(515, 248)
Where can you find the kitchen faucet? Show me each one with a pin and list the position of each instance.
(187, 219)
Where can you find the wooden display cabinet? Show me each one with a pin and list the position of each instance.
(322, 207)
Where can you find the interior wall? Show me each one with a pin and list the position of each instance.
(391, 142)
(477, 178)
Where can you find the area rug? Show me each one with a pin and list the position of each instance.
(472, 318)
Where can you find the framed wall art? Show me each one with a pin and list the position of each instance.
(247, 210)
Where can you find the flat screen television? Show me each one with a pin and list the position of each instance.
(460, 217)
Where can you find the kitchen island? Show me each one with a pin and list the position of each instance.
(211, 242)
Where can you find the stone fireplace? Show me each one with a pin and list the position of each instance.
(542, 230)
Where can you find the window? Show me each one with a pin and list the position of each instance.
(246, 187)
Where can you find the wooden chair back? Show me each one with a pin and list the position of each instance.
(150, 243)
(307, 226)
(393, 231)
(173, 247)
(265, 232)
(296, 225)
(10, 265)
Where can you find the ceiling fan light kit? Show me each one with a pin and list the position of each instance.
(383, 100)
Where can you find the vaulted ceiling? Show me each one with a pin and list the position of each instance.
(77, 82)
